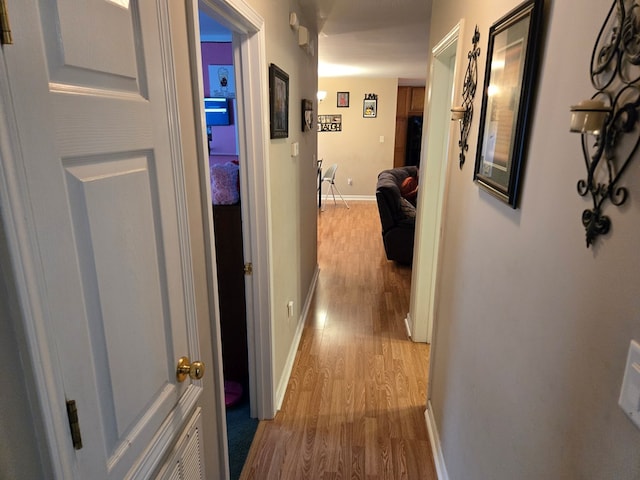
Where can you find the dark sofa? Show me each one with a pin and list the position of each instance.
(396, 217)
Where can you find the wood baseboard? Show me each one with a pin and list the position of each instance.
(434, 440)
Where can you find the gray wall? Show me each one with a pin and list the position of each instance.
(533, 329)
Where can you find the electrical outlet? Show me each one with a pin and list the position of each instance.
(349, 181)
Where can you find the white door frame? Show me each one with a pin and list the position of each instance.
(253, 94)
(443, 88)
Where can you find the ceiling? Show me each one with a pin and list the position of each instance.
(365, 38)
(356, 39)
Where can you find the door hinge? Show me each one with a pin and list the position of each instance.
(5, 27)
(74, 424)
(248, 268)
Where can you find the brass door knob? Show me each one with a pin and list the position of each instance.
(193, 369)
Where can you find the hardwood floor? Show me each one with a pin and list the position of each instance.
(354, 406)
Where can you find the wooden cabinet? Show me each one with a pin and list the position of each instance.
(410, 104)
(416, 105)
(404, 101)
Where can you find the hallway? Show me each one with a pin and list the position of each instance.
(355, 402)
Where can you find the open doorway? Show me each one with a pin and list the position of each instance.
(432, 202)
(225, 163)
(248, 61)
(251, 102)
(220, 109)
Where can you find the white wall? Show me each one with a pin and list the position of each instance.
(357, 149)
(532, 328)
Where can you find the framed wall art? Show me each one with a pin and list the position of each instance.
(278, 102)
(370, 106)
(307, 115)
(343, 100)
(507, 99)
(222, 81)
(330, 123)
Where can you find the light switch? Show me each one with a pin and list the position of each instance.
(630, 393)
(295, 149)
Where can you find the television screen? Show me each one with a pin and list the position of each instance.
(216, 111)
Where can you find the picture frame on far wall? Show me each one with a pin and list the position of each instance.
(510, 75)
(278, 102)
(343, 100)
(370, 106)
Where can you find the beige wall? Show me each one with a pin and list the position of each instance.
(357, 149)
(292, 181)
(533, 329)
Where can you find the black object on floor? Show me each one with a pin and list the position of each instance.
(241, 429)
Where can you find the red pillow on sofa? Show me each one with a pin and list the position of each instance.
(409, 189)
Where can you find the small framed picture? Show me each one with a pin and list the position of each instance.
(278, 102)
(343, 99)
(370, 106)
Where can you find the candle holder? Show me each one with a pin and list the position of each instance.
(608, 122)
(464, 114)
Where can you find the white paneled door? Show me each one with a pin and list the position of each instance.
(97, 149)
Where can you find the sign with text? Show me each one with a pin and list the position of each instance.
(329, 123)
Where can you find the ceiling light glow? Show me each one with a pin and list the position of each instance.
(334, 70)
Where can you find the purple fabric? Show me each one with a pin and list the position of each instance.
(224, 184)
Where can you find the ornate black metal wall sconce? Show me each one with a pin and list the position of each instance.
(608, 122)
(464, 113)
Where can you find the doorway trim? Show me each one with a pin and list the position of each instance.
(437, 147)
(252, 92)
(446, 79)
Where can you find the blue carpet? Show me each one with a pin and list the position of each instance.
(240, 431)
